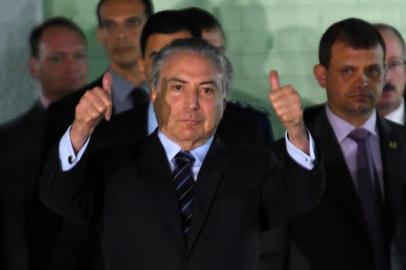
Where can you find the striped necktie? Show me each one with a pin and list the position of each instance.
(184, 182)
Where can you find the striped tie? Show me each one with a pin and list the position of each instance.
(184, 182)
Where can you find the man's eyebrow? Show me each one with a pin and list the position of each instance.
(208, 82)
(175, 79)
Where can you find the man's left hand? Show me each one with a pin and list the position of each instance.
(287, 106)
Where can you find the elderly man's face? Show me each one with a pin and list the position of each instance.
(188, 103)
(395, 79)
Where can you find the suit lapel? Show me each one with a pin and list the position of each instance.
(153, 164)
(339, 180)
(208, 180)
(391, 162)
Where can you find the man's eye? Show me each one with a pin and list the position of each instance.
(373, 72)
(133, 22)
(177, 87)
(55, 59)
(208, 90)
(106, 25)
(80, 56)
(347, 71)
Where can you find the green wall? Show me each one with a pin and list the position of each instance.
(261, 35)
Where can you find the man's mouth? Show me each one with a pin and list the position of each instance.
(389, 87)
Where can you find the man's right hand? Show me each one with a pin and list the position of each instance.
(95, 105)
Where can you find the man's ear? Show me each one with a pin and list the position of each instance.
(141, 66)
(320, 72)
(33, 66)
(154, 94)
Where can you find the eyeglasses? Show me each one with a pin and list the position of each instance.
(394, 64)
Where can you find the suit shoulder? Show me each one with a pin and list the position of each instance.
(245, 110)
(400, 130)
(24, 120)
(72, 100)
(245, 124)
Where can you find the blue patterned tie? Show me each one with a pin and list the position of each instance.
(370, 197)
(184, 182)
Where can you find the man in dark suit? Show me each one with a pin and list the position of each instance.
(357, 223)
(240, 125)
(391, 105)
(223, 196)
(28, 229)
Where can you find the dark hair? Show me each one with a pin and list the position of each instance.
(356, 33)
(203, 19)
(386, 27)
(148, 9)
(198, 46)
(36, 33)
(166, 22)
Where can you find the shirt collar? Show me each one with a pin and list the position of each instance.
(171, 148)
(124, 85)
(44, 101)
(342, 128)
(398, 115)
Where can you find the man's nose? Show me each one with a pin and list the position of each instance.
(192, 100)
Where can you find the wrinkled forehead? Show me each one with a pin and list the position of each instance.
(192, 58)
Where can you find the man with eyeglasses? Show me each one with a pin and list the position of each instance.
(391, 105)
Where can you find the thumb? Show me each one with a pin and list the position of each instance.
(107, 82)
(274, 79)
(106, 85)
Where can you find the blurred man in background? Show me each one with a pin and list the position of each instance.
(391, 105)
(58, 62)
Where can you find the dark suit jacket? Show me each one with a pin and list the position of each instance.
(28, 228)
(129, 196)
(241, 124)
(334, 235)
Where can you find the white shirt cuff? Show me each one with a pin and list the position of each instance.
(303, 159)
(67, 155)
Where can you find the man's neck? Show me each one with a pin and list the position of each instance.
(131, 74)
(398, 114)
(383, 111)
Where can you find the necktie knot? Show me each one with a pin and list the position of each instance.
(359, 135)
(139, 96)
(183, 158)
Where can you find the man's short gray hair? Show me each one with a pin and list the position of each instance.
(201, 47)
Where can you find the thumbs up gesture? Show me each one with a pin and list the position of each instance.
(287, 106)
(94, 105)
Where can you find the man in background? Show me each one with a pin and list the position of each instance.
(357, 225)
(391, 105)
(28, 230)
(120, 23)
